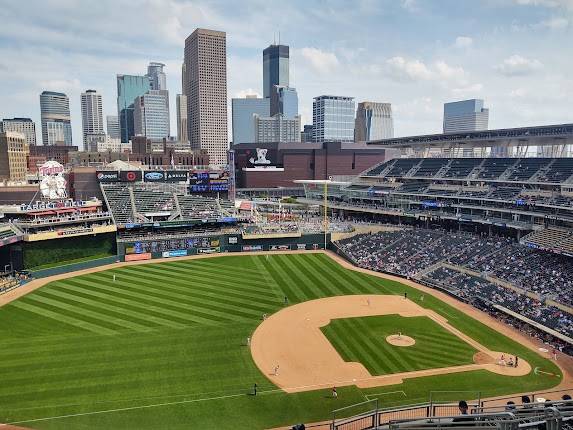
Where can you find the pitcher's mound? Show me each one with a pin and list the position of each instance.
(400, 340)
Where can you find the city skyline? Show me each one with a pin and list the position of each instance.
(504, 51)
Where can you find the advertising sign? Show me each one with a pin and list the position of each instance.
(176, 253)
(208, 250)
(108, 176)
(233, 240)
(138, 257)
(252, 247)
(130, 176)
(165, 176)
(300, 246)
(279, 247)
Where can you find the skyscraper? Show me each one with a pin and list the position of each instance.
(373, 121)
(243, 112)
(333, 118)
(113, 126)
(277, 128)
(92, 117)
(182, 125)
(13, 156)
(275, 68)
(284, 100)
(56, 120)
(20, 125)
(156, 75)
(151, 114)
(465, 115)
(128, 88)
(205, 85)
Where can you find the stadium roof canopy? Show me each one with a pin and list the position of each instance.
(560, 134)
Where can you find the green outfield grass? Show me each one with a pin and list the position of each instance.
(364, 340)
(163, 347)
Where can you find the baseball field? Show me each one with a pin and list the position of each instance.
(165, 345)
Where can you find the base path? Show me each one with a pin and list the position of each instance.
(292, 340)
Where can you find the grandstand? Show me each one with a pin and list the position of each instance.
(140, 203)
(493, 273)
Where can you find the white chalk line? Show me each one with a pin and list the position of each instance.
(373, 395)
(131, 408)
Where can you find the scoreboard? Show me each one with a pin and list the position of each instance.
(208, 182)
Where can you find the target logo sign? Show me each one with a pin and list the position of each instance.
(130, 176)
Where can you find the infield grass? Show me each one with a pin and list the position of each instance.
(364, 340)
(164, 347)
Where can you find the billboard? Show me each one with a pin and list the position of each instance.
(138, 257)
(130, 176)
(108, 176)
(121, 176)
(205, 182)
(176, 253)
(252, 247)
(165, 176)
(279, 248)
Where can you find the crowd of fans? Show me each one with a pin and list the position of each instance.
(443, 259)
(471, 288)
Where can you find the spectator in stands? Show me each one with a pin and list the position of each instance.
(463, 407)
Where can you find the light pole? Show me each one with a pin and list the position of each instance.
(325, 212)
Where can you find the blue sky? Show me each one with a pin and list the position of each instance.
(415, 54)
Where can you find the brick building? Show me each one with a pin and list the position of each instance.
(282, 163)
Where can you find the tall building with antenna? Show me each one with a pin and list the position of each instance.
(275, 68)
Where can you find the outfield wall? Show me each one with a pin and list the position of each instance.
(178, 247)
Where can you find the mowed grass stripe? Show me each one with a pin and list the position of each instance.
(308, 279)
(293, 276)
(279, 294)
(211, 287)
(183, 278)
(94, 328)
(329, 276)
(126, 309)
(83, 310)
(284, 281)
(362, 346)
(160, 316)
(228, 308)
(208, 273)
(384, 351)
(316, 277)
(195, 314)
(363, 284)
(205, 264)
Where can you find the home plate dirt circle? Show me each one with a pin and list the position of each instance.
(400, 340)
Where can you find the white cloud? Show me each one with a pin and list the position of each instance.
(518, 93)
(415, 70)
(320, 61)
(516, 65)
(474, 89)
(556, 23)
(410, 5)
(546, 3)
(463, 42)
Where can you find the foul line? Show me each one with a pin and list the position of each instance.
(383, 394)
(131, 408)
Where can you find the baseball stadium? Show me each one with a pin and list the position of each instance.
(422, 290)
